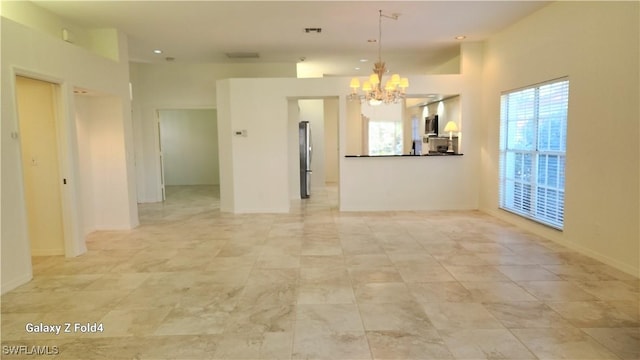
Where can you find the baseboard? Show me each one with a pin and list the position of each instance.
(262, 211)
(118, 227)
(605, 259)
(544, 232)
(87, 231)
(12, 284)
(47, 252)
(403, 208)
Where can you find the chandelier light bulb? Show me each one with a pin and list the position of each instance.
(395, 79)
(374, 79)
(389, 86)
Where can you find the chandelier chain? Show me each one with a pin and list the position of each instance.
(380, 37)
(374, 91)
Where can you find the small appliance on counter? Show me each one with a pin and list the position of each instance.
(438, 145)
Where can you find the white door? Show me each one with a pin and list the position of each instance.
(36, 102)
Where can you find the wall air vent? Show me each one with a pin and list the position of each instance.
(243, 55)
(313, 30)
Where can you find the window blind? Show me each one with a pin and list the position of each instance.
(533, 132)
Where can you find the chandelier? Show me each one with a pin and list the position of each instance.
(373, 91)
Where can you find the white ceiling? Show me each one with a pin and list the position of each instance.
(203, 31)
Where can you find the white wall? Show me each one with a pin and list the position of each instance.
(54, 60)
(101, 152)
(353, 129)
(178, 86)
(101, 41)
(265, 150)
(225, 146)
(293, 118)
(189, 146)
(263, 154)
(447, 110)
(332, 148)
(407, 183)
(84, 130)
(595, 44)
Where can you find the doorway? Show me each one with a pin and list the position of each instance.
(189, 159)
(322, 114)
(37, 104)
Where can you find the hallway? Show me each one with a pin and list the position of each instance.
(194, 283)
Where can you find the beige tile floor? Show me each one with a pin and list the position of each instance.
(194, 283)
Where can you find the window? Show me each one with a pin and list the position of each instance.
(415, 128)
(385, 138)
(533, 133)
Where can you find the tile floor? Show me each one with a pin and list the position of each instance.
(194, 283)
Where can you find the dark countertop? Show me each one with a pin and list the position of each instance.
(403, 155)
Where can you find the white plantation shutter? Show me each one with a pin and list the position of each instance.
(533, 132)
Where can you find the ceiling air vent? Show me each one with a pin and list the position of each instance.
(243, 55)
(313, 30)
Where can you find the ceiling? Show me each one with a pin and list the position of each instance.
(422, 37)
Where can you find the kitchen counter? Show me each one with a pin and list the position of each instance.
(408, 182)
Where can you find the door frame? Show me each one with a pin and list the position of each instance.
(163, 190)
(74, 244)
(161, 168)
(293, 161)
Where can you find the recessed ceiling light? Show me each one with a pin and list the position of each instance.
(460, 37)
(364, 60)
(157, 51)
(357, 68)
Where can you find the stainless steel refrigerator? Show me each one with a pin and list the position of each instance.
(304, 131)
